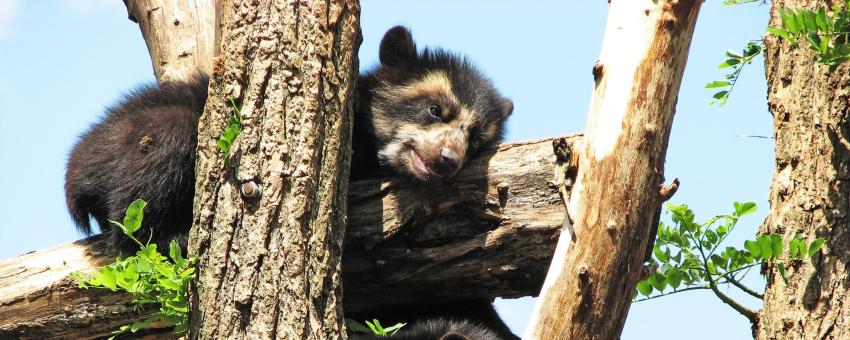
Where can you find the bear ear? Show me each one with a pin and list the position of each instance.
(507, 107)
(454, 336)
(397, 47)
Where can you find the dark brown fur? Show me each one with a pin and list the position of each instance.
(143, 148)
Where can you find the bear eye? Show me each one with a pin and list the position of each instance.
(478, 141)
(435, 111)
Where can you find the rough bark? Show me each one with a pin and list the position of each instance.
(810, 190)
(616, 196)
(490, 233)
(269, 259)
(179, 35)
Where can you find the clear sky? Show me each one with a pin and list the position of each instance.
(62, 61)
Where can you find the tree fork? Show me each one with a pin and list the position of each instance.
(616, 195)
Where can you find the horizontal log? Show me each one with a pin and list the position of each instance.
(488, 232)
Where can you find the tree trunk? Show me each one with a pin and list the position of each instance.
(616, 197)
(179, 35)
(494, 237)
(810, 190)
(269, 223)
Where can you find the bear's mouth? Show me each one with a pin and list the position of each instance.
(421, 170)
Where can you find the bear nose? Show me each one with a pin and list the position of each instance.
(448, 163)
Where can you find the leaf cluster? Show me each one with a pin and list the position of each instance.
(736, 62)
(689, 255)
(374, 327)
(825, 31)
(150, 277)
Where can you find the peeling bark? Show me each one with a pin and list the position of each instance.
(588, 288)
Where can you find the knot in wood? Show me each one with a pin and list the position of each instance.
(582, 273)
(502, 189)
(611, 226)
(251, 189)
(597, 71)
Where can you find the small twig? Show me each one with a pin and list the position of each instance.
(667, 190)
(754, 136)
(744, 288)
(747, 267)
(673, 292)
(563, 155)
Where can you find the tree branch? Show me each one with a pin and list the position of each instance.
(746, 312)
(491, 232)
(620, 168)
(744, 288)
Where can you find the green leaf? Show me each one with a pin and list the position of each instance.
(712, 269)
(745, 208)
(729, 63)
(717, 83)
(711, 236)
(753, 247)
(355, 326)
(644, 287)
(660, 255)
(776, 245)
(718, 261)
(721, 95)
(815, 246)
(788, 21)
(658, 281)
(800, 20)
(674, 277)
(139, 325)
(394, 328)
(223, 145)
(814, 42)
(821, 20)
(782, 271)
(794, 249)
(722, 230)
(810, 20)
(133, 217)
(766, 247)
(107, 277)
(174, 251)
(780, 32)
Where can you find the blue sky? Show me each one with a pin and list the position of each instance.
(62, 61)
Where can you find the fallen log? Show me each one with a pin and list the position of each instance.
(489, 232)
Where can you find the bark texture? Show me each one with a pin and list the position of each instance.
(179, 35)
(269, 223)
(588, 289)
(489, 233)
(810, 190)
